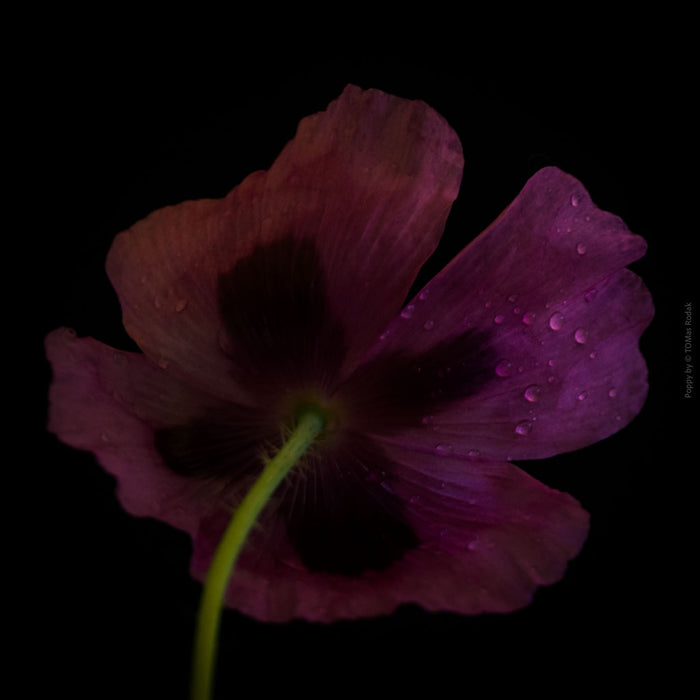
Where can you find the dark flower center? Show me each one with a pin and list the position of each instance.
(286, 349)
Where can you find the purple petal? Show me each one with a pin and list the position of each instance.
(113, 403)
(529, 337)
(488, 536)
(371, 179)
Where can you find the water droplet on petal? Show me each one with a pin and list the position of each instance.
(524, 427)
(581, 248)
(516, 310)
(163, 363)
(408, 311)
(589, 296)
(181, 305)
(582, 396)
(532, 393)
(550, 363)
(551, 380)
(428, 325)
(575, 200)
(498, 319)
(473, 453)
(556, 320)
(592, 355)
(120, 358)
(443, 450)
(528, 318)
(423, 295)
(104, 437)
(612, 393)
(581, 335)
(504, 368)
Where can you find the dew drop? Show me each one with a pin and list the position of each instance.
(581, 248)
(551, 380)
(592, 356)
(373, 478)
(582, 396)
(524, 427)
(532, 393)
(443, 450)
(575, 200)
(512, 298)
(589, 296)
(581, 336)
(504, 368)
(473, 453)
(556, 320)
(528, 318)
(181, 305)
(550, 363)
(120, 358)
(516, 310)
(498, 319)
(408, 311)
(428, 325)
(612, 393)
(423, 295)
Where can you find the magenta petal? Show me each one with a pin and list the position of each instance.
(369, 180)
(111, 402)
(489, 534)
(549, 323)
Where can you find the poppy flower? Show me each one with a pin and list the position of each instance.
(289, 293)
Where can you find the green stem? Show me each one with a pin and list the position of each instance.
(308, 426)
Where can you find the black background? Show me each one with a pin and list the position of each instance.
(114, 126)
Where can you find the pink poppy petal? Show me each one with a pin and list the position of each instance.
(489, 536)
(527, 343)
(110, 403)
(370, 179)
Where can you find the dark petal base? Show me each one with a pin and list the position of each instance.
(341, 515)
